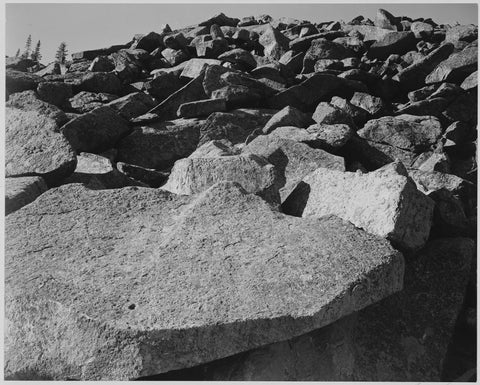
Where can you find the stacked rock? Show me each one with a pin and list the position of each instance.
(255, 199)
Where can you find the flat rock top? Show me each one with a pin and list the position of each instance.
(224, 262)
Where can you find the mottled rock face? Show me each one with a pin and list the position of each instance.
(35, 147)
(21, 191)
(383, 202)
(232, 290)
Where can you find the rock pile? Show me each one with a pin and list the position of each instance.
(255, 199)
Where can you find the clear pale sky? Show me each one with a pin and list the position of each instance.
(90, 26)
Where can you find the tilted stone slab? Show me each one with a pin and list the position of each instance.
(384, 202)
(119, 284)
(33, 146)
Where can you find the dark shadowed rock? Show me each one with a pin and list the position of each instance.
(172, 304)
(241, 56)
(221, 19)
(56, 93)
(163, 85)
(319, 87)
(132, 105)
(92, 54)
(159, 145)
(97, 82)
(29, 101)
(147, 176)
(96, 131)
(35, 147)
(408, 132)
(17, 81)
(148, 42)
(324, 49)
(358, 115)
(235, 126)
(326, 113)
(294, 160)
(102, 64)
(384, 202)
(22, 191)
(392, 43)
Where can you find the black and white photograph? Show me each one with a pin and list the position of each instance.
(229, 191)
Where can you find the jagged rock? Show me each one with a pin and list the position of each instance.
(170, 296)
(196, 174)
(159, 145)
(97, 172)
(22, 191)
(220, 20)
(329, 136)
(384, 202)
(288, 116)
(95, 131)
(29, 101)
(435, 161)
(97, 82)
(52, 69)
(56, 93)
(274, 43)
(456, 68)
(324, 49)
(175, 56)
(448, 217)
(101, 64)
(87, 101)
(303, 43)
(467, 33)
(194, 67)
(294, 160)
(211, 48)
(385, 20)
(191, 92)
(421, 30)
(201, 108)
(319, 87)
(127, 66)
(163, 85)
(149, 42)
(34, 147)
(372, 104)
(326, 113)
(431, 106)
(148, 176)
(235, 126)
(239, 55)
(470, 82)
(392, 43)
(358, 115)
(132, 105)
(408, 132)
(17, 81)
(18, 63)
(77, 67)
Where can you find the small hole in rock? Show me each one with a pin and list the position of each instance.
(131, 306)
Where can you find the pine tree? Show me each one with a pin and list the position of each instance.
(18, 53)
(28, 47)
(36, 55)
(61, 54)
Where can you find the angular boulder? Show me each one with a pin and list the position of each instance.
(34, 147)
(169, 303)
(96, 131)
(56, 93)
(456, 68)
(392, 43)
(201, 108)
(384, 202)
(324, 49)
(132, 105)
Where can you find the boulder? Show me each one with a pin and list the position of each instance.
(34, 147)
(384, 202)
(102, 64)
(325, 113)
(235, 126)
(92, 54)
(456, 68)
(29, 101)
(288, 116)
(221, 20)
(407, 132)
(466, 33)
(96, 131)
(163, 85)
(201, 108)
(17, 81)
(330, 137)
(292, 159)
(240, 56)
(324, 49)
(56, 93)
(169, 303)
(421, 30)
(148, 42)
(158, 145)
(132, 105)
(86, 101)
(196, 174)
(274, 43)
(385, 20)
(317, 88)
(22, 191)
(145, 176)
(358, 115)
(128, 68)
(392, 43)
(470, 82)
(194, 67)
(106, 82)
(374, 105)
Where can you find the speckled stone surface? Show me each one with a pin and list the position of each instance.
(119, 284)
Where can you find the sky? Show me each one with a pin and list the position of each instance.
(91, 26)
